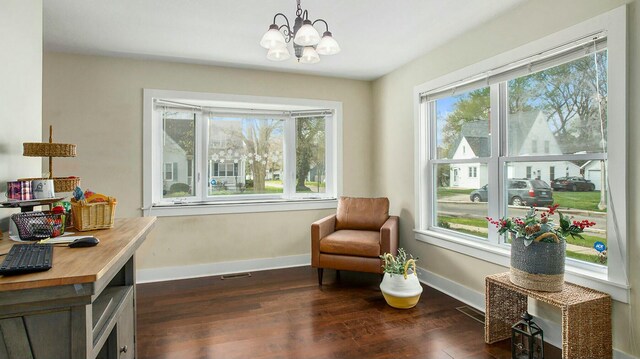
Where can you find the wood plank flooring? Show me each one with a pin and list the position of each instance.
(285, 314)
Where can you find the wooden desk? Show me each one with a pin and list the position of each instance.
(586, 315)
(83, 307)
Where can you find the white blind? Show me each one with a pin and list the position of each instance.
(532, 64)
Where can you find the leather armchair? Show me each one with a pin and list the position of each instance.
(355, 237)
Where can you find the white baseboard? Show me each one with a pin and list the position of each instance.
(472, 298)
(209, 269)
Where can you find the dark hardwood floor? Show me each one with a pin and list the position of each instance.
(285, 314)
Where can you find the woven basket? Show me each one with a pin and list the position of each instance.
(60, 184)
(539, 266)
(48, 149)
(90, 216)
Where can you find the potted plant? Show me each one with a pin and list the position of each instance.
(538, 247)
(400, 286)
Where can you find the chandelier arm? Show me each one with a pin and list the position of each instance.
(321, 20)
(288, 34)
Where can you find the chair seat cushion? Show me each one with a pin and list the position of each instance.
(352, 243)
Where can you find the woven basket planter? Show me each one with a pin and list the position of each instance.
(538, 266)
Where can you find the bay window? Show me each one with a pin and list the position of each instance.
(205, 153)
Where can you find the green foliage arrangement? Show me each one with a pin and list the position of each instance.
(541, 229)
(399, 264)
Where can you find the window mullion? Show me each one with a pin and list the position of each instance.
(289, 158)
(430, 131)
(494, 199)
(201, 155)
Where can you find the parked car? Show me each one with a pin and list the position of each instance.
(575, 183)
(521, 192)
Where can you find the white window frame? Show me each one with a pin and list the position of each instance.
(614, 279)
(155, 205)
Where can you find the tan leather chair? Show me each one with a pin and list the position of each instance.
(355, 237)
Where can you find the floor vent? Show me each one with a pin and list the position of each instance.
(235, 275)
(472, 313)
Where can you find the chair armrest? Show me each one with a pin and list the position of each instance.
(389, 236)
(320, 229)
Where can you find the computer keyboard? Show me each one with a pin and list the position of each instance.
(27, 258)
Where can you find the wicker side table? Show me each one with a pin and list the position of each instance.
(586, 315)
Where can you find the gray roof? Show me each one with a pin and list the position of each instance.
(477, 133)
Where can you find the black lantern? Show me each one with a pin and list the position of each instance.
(527, 340)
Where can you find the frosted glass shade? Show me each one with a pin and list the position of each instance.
(272, 38)
(327, 45)
(307, 35)
(309, 56)
(279, 53)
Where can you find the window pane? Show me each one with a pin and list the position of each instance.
(461, 200)
(564, 107)
(462, 125)
(177, 152)
(578, 193)
(244, 156)
(310, 155)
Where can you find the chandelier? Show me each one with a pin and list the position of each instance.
(307, 43)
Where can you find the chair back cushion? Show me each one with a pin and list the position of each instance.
(367, 214)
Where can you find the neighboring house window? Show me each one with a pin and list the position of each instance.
(169, 170)
(576, 125)
(240, 153)
(473, 172)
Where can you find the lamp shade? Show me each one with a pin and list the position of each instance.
(327, 45)
(278, 53)
(307, 35)
(272, 38)
(309, 56)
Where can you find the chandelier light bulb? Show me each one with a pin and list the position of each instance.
(272, 38)
(307, 35)
(279, 53)
(327, 45)
(309, 56)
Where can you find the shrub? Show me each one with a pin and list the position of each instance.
(179, 187)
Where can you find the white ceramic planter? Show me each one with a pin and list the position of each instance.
(400, 292)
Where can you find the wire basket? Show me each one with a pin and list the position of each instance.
(33, 226)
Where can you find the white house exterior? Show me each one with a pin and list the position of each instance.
(529, 135)
(175, 164)
(591, 171)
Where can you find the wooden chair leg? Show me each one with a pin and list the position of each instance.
(320, 272)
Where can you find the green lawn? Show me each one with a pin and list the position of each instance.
(476, 222)
(578, 200)
(448, 191)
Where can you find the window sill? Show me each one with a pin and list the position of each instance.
(500, 255)
(200, 208)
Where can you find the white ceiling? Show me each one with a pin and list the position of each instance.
(376, 36)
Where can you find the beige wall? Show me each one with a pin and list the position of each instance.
(20, 91)
(394, 135)
(96, 102)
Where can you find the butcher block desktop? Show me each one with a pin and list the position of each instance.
(83, 307)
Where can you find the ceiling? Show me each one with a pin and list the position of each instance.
(376, 36)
